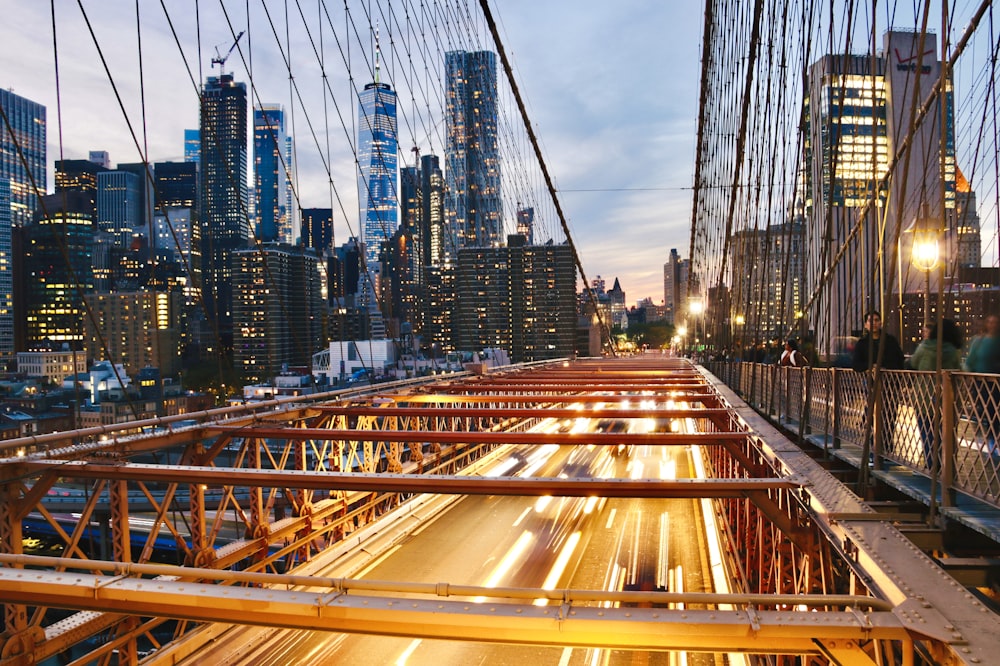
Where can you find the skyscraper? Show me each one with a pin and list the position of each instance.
(526, 223)
(473, 214)
(79, 176)
(118, 205)
(27, 177)
(272, 175)
(518, 297)
(6, 277)
(278, 307)
(848, 93)
(176, 185)
(100, 157)
(377, 147)
(58, 268)
(673, 289)
(192, 145)
(317, 229)
(147, 197)
(223, 215)
(432, 219)
(858, 112)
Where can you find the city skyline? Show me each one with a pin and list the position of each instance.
(660, 128)
(626, 173)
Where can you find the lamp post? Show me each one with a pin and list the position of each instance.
(695, 308)
(926, 253)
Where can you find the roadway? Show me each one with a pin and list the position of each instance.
(494, 541)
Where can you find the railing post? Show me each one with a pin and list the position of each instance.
(948, 425)
(834, 409)
(805, 427)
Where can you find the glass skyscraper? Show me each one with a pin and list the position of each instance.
(119, 201)
(846, 153)
(272, 175)
(473, 214)
(858, 111)
(58, 253)
(192, 145)
(6, 277)
(27, 120)
(432, 219)
(224, 214)
(377, 148)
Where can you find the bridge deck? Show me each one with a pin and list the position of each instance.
(801, 548)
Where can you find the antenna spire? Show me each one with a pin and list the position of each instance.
(378, 54)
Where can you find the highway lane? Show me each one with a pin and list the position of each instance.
(525, 542)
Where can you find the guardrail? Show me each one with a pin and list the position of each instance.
(945, 426)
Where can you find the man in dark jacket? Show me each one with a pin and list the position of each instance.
(866, 350)
(865, 355)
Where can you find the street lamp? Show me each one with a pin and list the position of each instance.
(695, 308)
(926, 252)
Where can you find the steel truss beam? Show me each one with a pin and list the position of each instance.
(453, 485)
(498, 621)
(483, 437)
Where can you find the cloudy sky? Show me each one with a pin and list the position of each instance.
(612, 101)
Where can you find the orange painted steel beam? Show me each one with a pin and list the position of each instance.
(586, 381)
(568, 398)
(481, 437)
(419, 483)
(550, 412)
(609, 390)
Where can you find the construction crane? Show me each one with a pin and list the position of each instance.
(220, 60)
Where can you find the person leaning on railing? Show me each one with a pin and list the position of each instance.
(984, 357)
(925, 358)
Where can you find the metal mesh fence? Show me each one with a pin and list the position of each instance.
(949, 429)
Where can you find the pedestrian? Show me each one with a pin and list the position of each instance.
(809, 350)
(984, 350)
(791, 356)
(864, 358)
(866, 349)
(984, 358)
(925, 358)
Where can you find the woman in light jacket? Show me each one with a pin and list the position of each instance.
(925, 358)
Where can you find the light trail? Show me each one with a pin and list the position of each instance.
(402, 659)
(663, 552)
(555, 574)
(507, 563)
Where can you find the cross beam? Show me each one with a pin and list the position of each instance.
(422, 483)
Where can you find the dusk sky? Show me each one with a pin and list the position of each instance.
(613, 102)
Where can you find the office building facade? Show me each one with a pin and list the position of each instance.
(58, 255)
(6, 275)
(23, 155)
(272, 176)
(858, 113)
(473, 210)
(317, 229)
(377, 157)
(520, 298)
(224, 214)
(176, 185)
(192, 145)
(278, 308)
(138, 329)
(119, 205)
